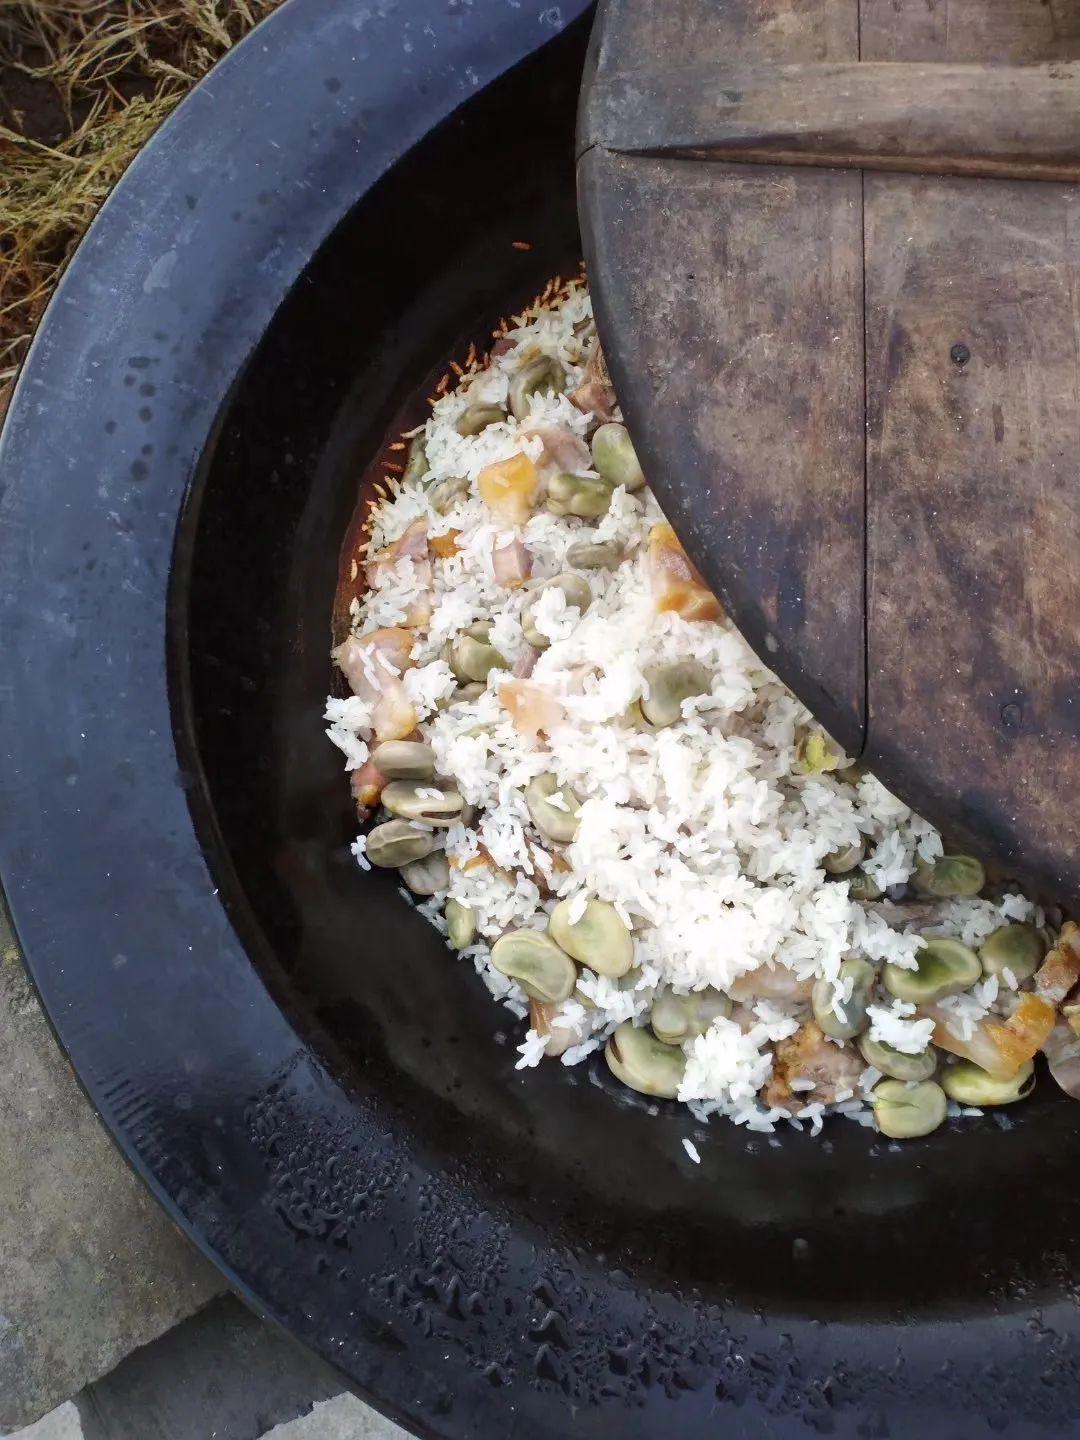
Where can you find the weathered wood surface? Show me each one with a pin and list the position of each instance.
(992, 32)
(973, 494)
(1011, 121)
(973, 491)
(747, 306)
(730, 299)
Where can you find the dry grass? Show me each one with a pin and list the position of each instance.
(101, 75)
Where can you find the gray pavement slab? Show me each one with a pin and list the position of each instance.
(343, 1418)
(60, 1424)
(223, 1374)
(90, 1267)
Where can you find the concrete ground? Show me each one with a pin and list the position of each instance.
(112, 1327)
(343, 1418)
(220, 1375)
(90, 1266)
(61, 1424)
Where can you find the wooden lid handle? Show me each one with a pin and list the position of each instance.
(1018, 122)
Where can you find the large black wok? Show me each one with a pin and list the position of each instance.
(306, 1079)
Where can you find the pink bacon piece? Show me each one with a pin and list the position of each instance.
(373, 665)
(511, 563)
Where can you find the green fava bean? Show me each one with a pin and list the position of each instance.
(669, 686)
(416, 467)
(542, 970)
(423, 800)
(949, 877)
(396, 843)
(479, 416)
(426, 876)
(599, 940)
(584, 999)
(1019, 948)
(594, 554)
(862, 887)
(543, 373)
(466, 693)
(637, 1058)
(471, 656)
(576, 593)
(615, 458)
(814, 755)
(943, 967)
(582, 495)
(852, 1019)
(895, 1063)
(558, 823)
(460, 924)
(908, 1112)
(447, 493)
(839, 862)
(404, 760)
(675, 1018)
(969, 1084)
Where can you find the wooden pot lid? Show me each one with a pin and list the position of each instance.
(835, 255)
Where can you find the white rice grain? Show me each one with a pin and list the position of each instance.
(705, 836)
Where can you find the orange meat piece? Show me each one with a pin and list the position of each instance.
(674, 582)
(596, 394)
(808, 1055)
(1060, 971)
(511, 564)
(531, 707)
(1022, 1034)
(560, 1037)
(509, 488)
(367, 784)
(999, 1047)
(361, 660)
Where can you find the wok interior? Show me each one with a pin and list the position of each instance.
(846, 1225)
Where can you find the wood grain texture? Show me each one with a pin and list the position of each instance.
(724, 32)
(973, 495)
(974, 583)
(1016, 121)
(730, 302)
(745, 306)
(993, 32)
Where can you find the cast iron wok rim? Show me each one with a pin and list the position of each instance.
(135, 259)
(173, 281)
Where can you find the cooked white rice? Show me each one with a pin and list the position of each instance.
(705, 836)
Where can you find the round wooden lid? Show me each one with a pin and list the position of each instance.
(835, 256)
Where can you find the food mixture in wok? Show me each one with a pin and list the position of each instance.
(637, 835)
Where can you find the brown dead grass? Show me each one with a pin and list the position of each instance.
(107, 72)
